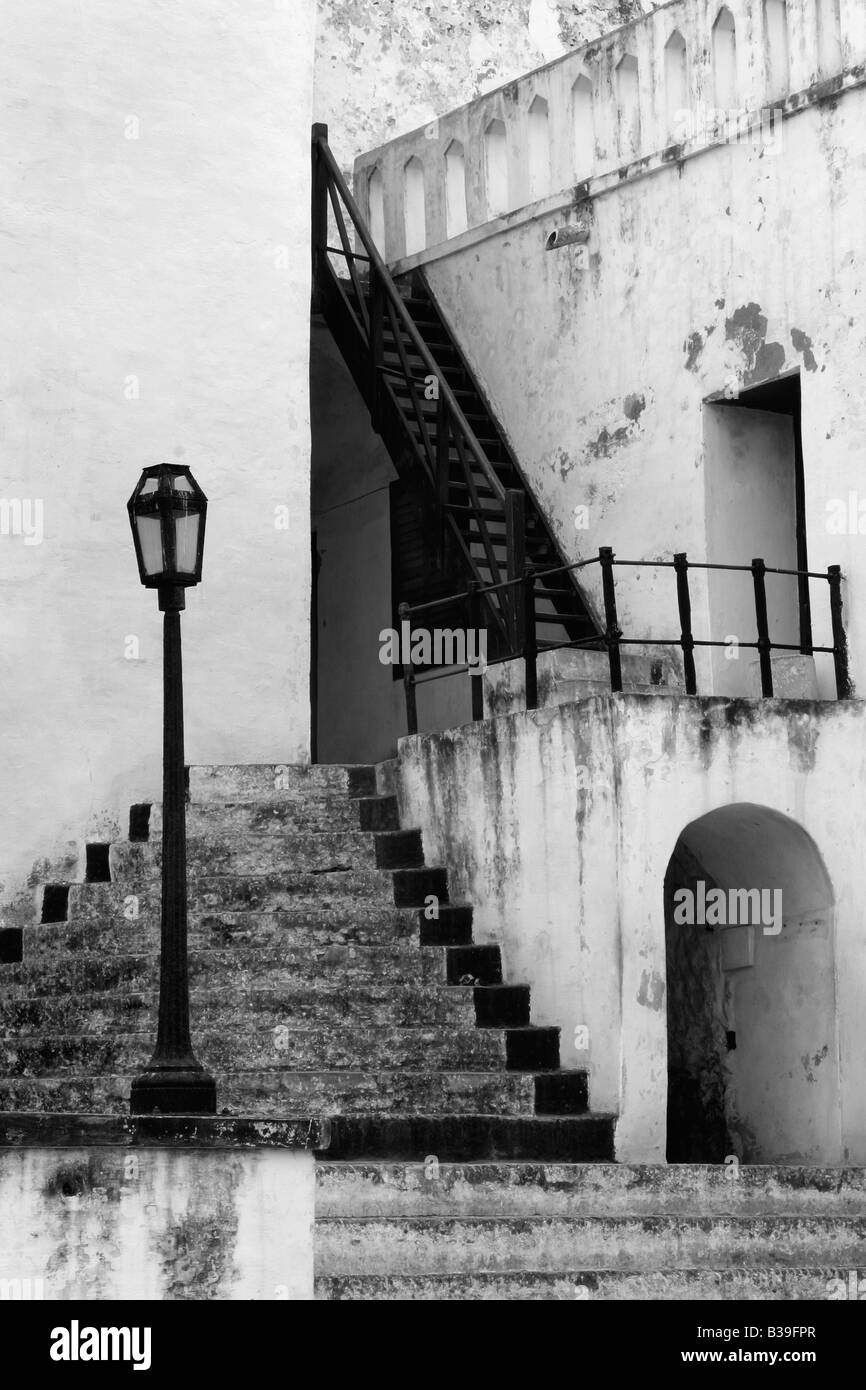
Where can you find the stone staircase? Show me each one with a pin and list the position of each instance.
(463, 1162)
(532, 1231)
(319, 983)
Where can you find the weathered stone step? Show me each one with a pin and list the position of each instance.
(278, 781)
(291, 852)
(600, 1285)
(295, 928)
(503, 1189)
(275, 1092)
(80, 1011)
(246, 966)
(473, 1138)
(315, 815)
(261, 1047)
(332, 889)
(437, 1245)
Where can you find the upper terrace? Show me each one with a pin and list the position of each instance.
(655, 92)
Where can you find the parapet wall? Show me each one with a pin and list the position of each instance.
(672, 78)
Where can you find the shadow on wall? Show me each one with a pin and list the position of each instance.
(753, 1066)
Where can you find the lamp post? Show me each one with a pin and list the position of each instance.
(167, 514)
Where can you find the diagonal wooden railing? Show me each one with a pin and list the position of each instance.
(446, 446)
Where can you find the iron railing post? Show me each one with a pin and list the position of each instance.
(377, 347)
(530, 638)
(476, 678)
(612, 632)
(759, 571)
(687, 641)
(443, 472)
(840, 640)
(515, 541)
(408, 675)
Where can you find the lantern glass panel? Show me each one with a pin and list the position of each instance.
(150, 539)
(186, 526)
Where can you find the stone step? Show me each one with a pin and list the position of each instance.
(441, 1245)
(600, 1285)
(399, 1006)
(261, 1047)
(334, 889)
(292, 852)
(325, 814)
(244, 966)
(473, 1138)
(585, 1189)
(295, 929)
(278, 782)
(276, 1092)
(377, 812)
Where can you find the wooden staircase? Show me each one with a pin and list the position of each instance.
(436, 423)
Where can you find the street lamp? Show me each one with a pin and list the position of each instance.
(167, 515)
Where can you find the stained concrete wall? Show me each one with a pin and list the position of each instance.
(156, 302)
(382, 68)
(558, 826)
(712, 264)
(171, 1224)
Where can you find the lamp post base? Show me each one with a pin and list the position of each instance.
(173, 1091)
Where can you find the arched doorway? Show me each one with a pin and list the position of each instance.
(753, 1066)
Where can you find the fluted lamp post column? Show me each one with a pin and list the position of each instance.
(167, 513)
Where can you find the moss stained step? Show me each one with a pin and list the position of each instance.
(401, 1006)
(280, 1046)
(275, 1092)
(305, 816)
(334, 888)
(251, 854)
(278, 781)
(246, 966)
(600, 1285)
(434, 1245)
(586, 1189)
(293, 929)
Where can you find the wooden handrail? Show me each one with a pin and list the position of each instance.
(380, 270)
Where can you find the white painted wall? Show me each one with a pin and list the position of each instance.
(156, 303)
(558, 825)
(158, 1223)
(615, 360)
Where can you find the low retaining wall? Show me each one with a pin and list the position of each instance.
(97, 1207)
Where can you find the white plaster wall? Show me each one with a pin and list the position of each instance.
(156, 307)
(558, 825)
(167, 1224)
(614, 361)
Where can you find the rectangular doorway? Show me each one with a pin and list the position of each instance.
(755, 508)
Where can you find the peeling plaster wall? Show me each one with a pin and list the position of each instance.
(692, 274)
(156, 307)
(558, 826)
(386, 66)
(109, 1223)
(710, 267)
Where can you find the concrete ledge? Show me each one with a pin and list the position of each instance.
(63, 1130)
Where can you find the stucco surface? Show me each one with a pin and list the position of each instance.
(558, 826)
(384, 68)
(168, 1224)
(156, 300)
